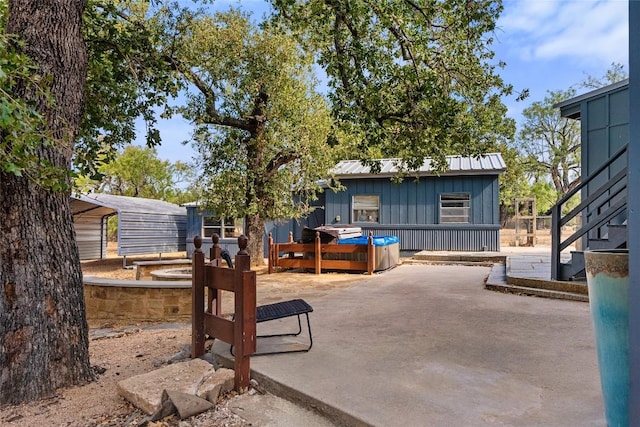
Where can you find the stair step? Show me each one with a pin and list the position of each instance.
(617, 235)
(544, 293)
(599, 244)
(575, 287)
(616, 238)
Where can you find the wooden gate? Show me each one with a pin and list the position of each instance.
(240, 331)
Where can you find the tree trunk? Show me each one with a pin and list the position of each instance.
(255, 234)
(43, 328)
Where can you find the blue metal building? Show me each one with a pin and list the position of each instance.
(455, 211)
(604, 128)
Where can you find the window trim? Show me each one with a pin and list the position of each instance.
(464, 197)
(221, 228)
(354, 216)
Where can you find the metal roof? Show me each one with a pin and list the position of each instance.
(457, 165)
(570, 108)
(129, 204)
(144, 225)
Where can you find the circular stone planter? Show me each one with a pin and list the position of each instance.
(171, 274)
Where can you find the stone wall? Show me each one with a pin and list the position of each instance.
(114, 303)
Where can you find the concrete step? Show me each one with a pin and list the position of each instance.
(500, 278)
(544, 293)
(576, 287)
(488, 257)
(447, 261)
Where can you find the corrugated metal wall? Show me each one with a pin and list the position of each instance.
(410, 210)
(145, 233)
(91, 236)
(418, 238)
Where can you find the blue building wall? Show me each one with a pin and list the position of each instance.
(410, 210)
(604, 117)
(279, 229)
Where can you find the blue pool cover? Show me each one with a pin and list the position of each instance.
(377, 240)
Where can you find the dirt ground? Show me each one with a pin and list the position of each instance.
(120, 350)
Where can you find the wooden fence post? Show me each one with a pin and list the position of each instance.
(270, 254)
(291, 254)
(371, 254)
(197, 299)
(245, 316)
(318, 253)
(215, 256)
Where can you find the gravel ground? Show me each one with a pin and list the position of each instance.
(120, 350)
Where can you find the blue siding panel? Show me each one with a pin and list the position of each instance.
(409, 210)
(420, 238)
(619, 108)
(597, 110)
(416, 203)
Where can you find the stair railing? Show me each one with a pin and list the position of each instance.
(614, 203)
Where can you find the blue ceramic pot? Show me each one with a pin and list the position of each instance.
(608, 282)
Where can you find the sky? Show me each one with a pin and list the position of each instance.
(546, 44)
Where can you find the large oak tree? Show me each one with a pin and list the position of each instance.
(261, 128)
(414, 79)
(43, 329)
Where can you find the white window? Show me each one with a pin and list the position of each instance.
(226, 228)
(455, 208)
(365, 208)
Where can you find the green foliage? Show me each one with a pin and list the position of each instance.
(513, 182)
(551, 143)
(112, 228)
(22, 127)
(546, 196)
(413, 79)
(614, 73)
(262, 130)
(128, 78)
(138, 172)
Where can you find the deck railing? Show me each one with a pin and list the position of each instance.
(314, 255)
(598, 209)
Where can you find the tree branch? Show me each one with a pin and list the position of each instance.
(277, 162)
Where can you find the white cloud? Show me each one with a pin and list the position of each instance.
(582, 31)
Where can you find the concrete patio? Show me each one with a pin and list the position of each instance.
(428, 345)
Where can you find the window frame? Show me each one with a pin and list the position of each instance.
(221, 227)
(454, 198)
(364, 211)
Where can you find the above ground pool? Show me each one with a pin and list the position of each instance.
(387, 250)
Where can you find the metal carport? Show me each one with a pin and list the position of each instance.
(145, 226)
